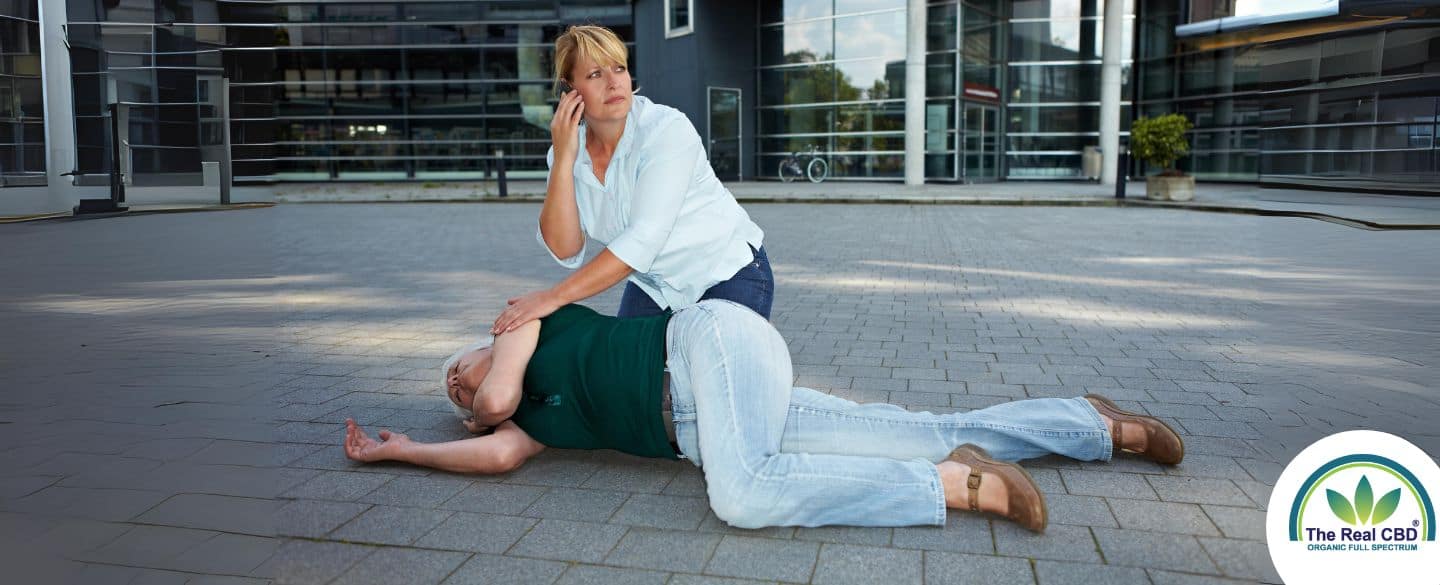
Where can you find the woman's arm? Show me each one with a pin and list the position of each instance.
(504, 450)
(559, 216)
(499, 393)
(600, 273)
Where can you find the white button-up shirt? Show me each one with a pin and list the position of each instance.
(661, 210)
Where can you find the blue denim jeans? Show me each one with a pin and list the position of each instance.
(776, 455)
(752, 286)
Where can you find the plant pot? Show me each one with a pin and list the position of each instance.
(1163, 188)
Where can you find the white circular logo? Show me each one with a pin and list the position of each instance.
(1355, 507)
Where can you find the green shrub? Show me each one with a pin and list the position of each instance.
(1160, 141)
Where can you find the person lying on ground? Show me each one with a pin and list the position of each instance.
(712, 383)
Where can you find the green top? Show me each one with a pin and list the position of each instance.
(594, 382)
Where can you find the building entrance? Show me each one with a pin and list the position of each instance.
(980, 140)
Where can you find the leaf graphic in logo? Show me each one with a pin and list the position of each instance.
(1364, 499)
(1386, 506)
(1341, 507)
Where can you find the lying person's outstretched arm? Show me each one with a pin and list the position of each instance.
(504, 450)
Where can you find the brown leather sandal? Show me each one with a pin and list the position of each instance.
(1027, 503)
(1162, 443)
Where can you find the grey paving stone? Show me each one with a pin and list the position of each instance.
(763, 558)
(98, 504)
(558, 470)
(674, 512)
(568, 541)
(484, 569)
(484, 533)
(1199, 490)
(962, 532)
(713, 523)
(338, 485)
(1059, 542)
(1079, 510)
(634, 475)
(494, 498)
(221, 513)
(1162, 517)
(845, 564)
(1241, 559)
(576, 504)
(420, 492)
(1065, 573)
(1243, 523)
(874, 536)
(1154, 550)
(314, 518)
(1106, 484)
(149, 546)
(391, 525)
(587, 574)
(664, 550)
(682, 579)
(1173, 578)
(943, 568)
(402, 565)
(227, 554)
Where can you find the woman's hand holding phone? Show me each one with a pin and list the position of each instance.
(565, 127)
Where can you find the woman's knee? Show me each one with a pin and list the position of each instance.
(740, 509)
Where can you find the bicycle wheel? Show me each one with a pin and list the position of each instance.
(789, 170)
(817, 170)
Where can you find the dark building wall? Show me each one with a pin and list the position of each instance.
(673, 72)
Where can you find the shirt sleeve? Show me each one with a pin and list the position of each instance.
(666, 170)
(572, 262)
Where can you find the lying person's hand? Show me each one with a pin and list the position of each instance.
(360, 447)
(525, 309)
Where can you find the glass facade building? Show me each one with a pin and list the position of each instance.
(321, 90)
(22, 103)
(1338, 102)
(1012, 87)
(417, 90)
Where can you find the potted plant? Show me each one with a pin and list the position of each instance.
(1160, 141)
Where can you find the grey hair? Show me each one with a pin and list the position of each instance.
(483, 343)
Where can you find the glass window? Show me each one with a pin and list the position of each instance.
(1411, 50)
(871, 79)
(853, 6)
(678, 15)
(873, 35)
(940, 28)
(940, 75)
(786, 10)
(797, 85)
(797, 120)
(797, 43)
(1348, 57)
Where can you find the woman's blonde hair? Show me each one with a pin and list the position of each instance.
(587, 41)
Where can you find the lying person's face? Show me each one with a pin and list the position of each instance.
(464, 378)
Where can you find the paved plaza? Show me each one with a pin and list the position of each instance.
(173, 388)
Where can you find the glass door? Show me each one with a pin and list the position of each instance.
(980, 143)
(724, 139)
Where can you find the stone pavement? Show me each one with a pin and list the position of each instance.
(172, 389)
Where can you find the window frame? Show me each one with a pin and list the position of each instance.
(679, 31)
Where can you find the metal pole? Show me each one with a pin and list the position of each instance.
(500, 173)
(225, 159)
(1120, 175)
(117, 187)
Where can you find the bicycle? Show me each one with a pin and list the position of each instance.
(817, 169)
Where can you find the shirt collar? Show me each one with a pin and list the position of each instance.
(626, 138)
